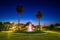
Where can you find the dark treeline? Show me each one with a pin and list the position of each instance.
(55, 27)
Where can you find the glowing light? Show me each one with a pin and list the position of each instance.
(11, 22)
(30, 27)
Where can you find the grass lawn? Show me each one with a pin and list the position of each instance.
(49, 35)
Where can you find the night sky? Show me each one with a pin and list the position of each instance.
(50, 11)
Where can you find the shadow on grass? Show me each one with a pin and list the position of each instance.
(34, 32)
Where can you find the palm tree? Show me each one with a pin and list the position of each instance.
(19, 9)
(38, 16)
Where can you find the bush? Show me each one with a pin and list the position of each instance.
(24, 31)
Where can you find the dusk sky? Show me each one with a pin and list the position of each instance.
(50, 11)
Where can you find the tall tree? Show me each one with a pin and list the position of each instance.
(38, 16)
(1, 26)
(51, 27)
(19, 9)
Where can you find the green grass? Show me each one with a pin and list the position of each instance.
(49, 35)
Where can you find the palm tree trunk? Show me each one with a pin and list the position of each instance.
(18, 21)
(39, 23)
